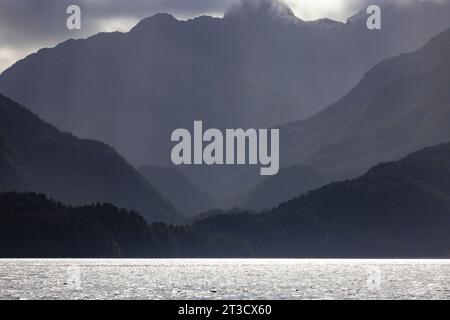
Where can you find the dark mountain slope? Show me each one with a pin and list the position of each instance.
(35, 156)
(287, 184)
(401, 105)
(398, 209)
(33, 226)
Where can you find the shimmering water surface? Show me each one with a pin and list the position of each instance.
(224, 279)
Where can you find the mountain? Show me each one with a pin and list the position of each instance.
(287, 184)
(400, 106)
(35, 156)
(9, 175)
(397, 209)
(257, 67)
(174, 185)
(34, 226)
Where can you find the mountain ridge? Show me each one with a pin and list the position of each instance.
(131, 90)
(398, 209)
(205, 61)
(400, 105)
(72, 170)
(398, 88)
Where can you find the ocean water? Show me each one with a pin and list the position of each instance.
(224, 279)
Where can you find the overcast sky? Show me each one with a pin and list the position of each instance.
(28, 25)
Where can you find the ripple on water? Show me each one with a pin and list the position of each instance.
(224, 279)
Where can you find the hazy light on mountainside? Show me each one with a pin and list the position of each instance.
(8, 56)
(116, 24)
(340, 10)
(332, 9)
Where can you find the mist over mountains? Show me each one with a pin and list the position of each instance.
(384, 138)
(259, 66)
(400, 106)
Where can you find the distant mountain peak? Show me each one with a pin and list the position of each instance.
(157, 20)
(327, 23)
(441, 39)
(248, 9)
